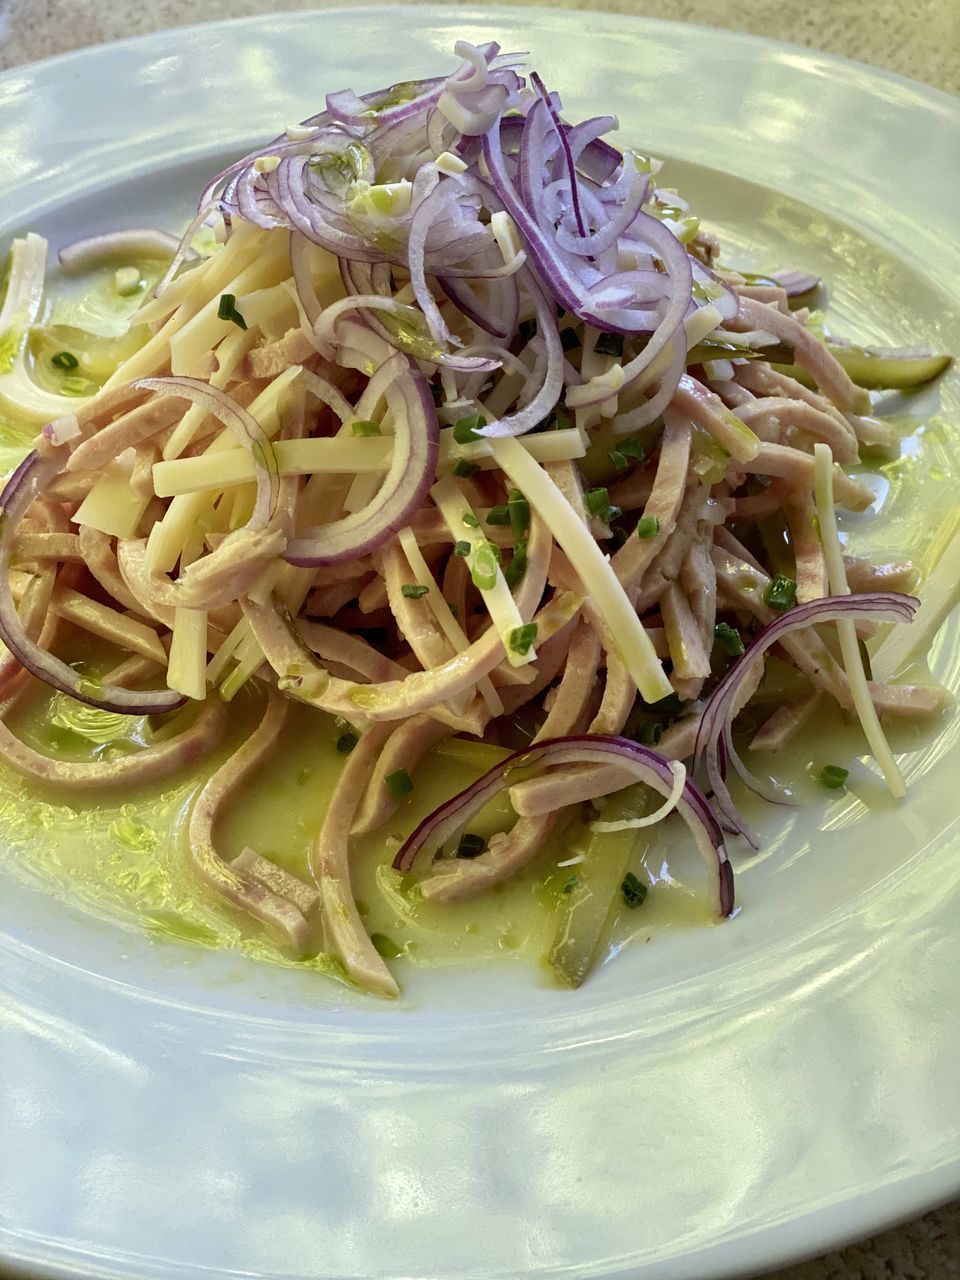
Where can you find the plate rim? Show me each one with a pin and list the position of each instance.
(885, 1215)
(473, 12)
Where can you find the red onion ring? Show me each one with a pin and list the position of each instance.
(250, 435)
(714, 744)
(30, 479)
(647, 765)
(411, 473)
(144, 242)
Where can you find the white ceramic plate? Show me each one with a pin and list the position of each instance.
(712, 1104)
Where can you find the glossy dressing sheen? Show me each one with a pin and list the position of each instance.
(123, 856)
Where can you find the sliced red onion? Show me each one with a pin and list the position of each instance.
(714, 742)
(144, 242)
(27, 482)
(796, 283)
(250, 435)
(412, 470)
(646, 765)
(597, 159)
(183, 249)
(719, 295)
(501, 323)
(561, 133)
(347, 108)
(426, 213)
(326, 329)
(548, 395)
(605, 237)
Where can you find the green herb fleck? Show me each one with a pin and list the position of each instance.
(399, 783)
(465, 429)
(461, 548)
(618, 460)
(521, 638)
(64, 360)
(650, 733)
(462, 467)
(364, 428)
(598, 503)
(485, 565)
(519, 510)
(833, 777)
(413, 590)
(634, 891)
(227, 310)
(781, 594)
(517, 566)
(631, 447)
(648, 527)
(570, 884)
(498, 515)
(471, 521)
(729, 639)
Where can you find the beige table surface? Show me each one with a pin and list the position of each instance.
(917, 38)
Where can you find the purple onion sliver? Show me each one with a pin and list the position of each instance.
(652, 768)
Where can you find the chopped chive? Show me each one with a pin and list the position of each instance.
(498, 515)
(413, 590)
(385, 946)
(609, 344)
(781, 594)
(570, 884)
(470, 845)
(527, 329)
(519, 510)
(618, 460)
(648, 527)
(634, 891)
(346, 742)
(462, 467)
(569, 339)
(729, 639)
(598, 501)
(399, 783)
(522, 637)
(227, 310)
(461, 548)
(471, 521)
(65, 360)
(833, 777)
(485, 566)
(517, 566)
(465, 429)
(561, 420)
(631, 447)
(650, 733)
(363, 428)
